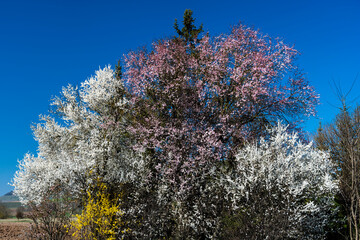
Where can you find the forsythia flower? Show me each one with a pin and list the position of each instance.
(101, 216)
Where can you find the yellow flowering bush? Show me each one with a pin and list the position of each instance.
(101, 215)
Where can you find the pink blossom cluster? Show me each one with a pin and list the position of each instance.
(196, 105)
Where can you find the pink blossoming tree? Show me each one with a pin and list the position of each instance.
(198, 98)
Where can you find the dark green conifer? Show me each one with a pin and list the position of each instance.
(189, 32)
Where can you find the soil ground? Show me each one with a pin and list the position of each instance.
(12, 229)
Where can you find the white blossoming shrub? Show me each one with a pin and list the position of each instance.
(280, 188)
(85, 138)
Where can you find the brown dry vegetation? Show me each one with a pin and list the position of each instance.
(12, 229)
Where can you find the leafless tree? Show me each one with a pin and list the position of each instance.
(342, 140)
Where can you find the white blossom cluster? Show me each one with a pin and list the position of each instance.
(284, 180)
(86, 136)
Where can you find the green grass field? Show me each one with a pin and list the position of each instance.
(10, 205)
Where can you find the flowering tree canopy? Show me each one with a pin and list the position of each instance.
(285, 183)
(197, 99)
(212, 94)
(168, 135)
(89, 137)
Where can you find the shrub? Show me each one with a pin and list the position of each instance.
(20, 213)
(51, 216)
(4, 213)
(280, 188)
(101, 215)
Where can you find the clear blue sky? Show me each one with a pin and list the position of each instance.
(45, 45)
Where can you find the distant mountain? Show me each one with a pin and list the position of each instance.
(9, 197)
(9, 193)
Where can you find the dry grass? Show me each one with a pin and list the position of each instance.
(12, 229)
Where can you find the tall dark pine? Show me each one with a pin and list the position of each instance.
(189, 32)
